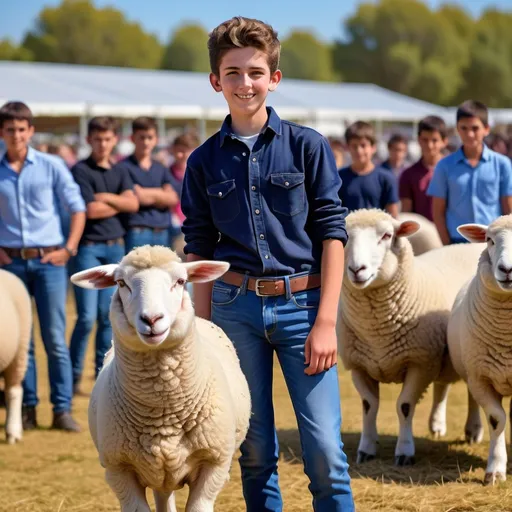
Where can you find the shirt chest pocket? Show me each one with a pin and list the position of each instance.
(287, 193)
(223, 201)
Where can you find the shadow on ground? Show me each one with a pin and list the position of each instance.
(437, 461)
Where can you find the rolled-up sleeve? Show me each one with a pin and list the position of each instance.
(67, 189)
(323, 184)
(84, 184)
(201, 235)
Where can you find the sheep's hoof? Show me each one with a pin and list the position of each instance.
(494, 478)
(474, 436)
(404, 460)
(12, 439)
(363, 457)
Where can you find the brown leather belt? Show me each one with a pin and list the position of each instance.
(30, 253)
(116, 241)
(265, 287)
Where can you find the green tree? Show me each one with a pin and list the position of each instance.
(9, 51)
(79, 33)
(187, 50)
(304, 56)
(404, 46)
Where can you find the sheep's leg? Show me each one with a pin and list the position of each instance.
(13, 403)
(165, 501)
(437, 420)
(415, 383)
(129, 491)
(206, 487)
(490, 401)
(368, 389)
(473, 430)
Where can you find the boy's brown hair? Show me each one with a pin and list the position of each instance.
(15, 111)
(397, 138)
(472, 108)
(144, 123)
(360, 130)
(433, 124)
(240, 32)
(102, 124)
(189, 140)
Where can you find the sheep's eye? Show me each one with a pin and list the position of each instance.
(180, 281)
(386, 236)
(121, 283)
(490, 241)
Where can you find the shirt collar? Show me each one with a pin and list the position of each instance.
(486, 154)
(273, 123)
(31, 155)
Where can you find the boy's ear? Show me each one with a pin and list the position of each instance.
(214, 80)
(274, 80)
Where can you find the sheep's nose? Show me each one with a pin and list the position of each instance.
(504, 269)
(356, 271)
(151, 320)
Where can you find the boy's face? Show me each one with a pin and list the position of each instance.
(245, 80)
(397, 153)
(180, 153)
(144, 141)
(431, 144)
(102, 143)
(472, 132)
(361, 151)
(16, 134)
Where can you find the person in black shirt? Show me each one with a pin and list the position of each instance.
(107, 193)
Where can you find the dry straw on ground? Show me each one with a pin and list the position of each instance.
(52, 471)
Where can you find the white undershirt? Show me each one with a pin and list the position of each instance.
(248, 140)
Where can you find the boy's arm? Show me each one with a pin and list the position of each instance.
(506, 186)
(328, 221)
(159, 197)
(392, 209)
(506, 205)
(439, 215)
(406, 204)
(202, 294)
(390, 195)
(125, 202)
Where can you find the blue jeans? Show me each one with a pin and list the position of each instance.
(135, 237)
(258, 326)
(48, 285)
(92, 306)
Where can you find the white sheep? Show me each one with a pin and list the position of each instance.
(426, 238)
(16, 309)
(171, 405)
(480, 334)
(394, 310)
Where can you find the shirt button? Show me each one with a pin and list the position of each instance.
(244, 154)
(257, 212)
(262, 237)
(286, 183)
(266, 256)
(254, 159)
(220, 194)
(253, 188)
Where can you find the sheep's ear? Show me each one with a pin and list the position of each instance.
(96, 277)
(407, 228)
(204, 271)
(475, 233)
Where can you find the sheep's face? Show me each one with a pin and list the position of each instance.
(495, 266)
(371, 253)
(151, 306)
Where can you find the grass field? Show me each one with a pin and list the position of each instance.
(52, 471)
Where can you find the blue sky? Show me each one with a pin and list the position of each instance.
(162, 16)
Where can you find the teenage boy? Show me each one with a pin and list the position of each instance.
(414, 181)
(363, 184)
(32, 246)
(474, 184)
(397, 154)
(107, 192)
(262, 195)
(150, 225)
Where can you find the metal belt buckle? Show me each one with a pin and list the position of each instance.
(22, 253)
(257, 287)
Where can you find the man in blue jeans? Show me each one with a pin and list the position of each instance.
(107, 193)
(150, 225)
(32, 246)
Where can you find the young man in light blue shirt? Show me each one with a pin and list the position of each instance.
(474, 184)
(32, 247)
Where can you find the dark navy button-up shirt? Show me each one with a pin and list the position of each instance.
(265, 211)
(155, 177)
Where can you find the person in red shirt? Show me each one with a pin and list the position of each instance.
(414, 181)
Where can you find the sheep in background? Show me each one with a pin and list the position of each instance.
(480, 334)
(171, 405)
(394, 310)
(16, 309)
(426, 238)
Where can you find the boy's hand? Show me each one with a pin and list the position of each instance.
(321, 351)
(59, 257)
(4, 259)
(103, 197)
